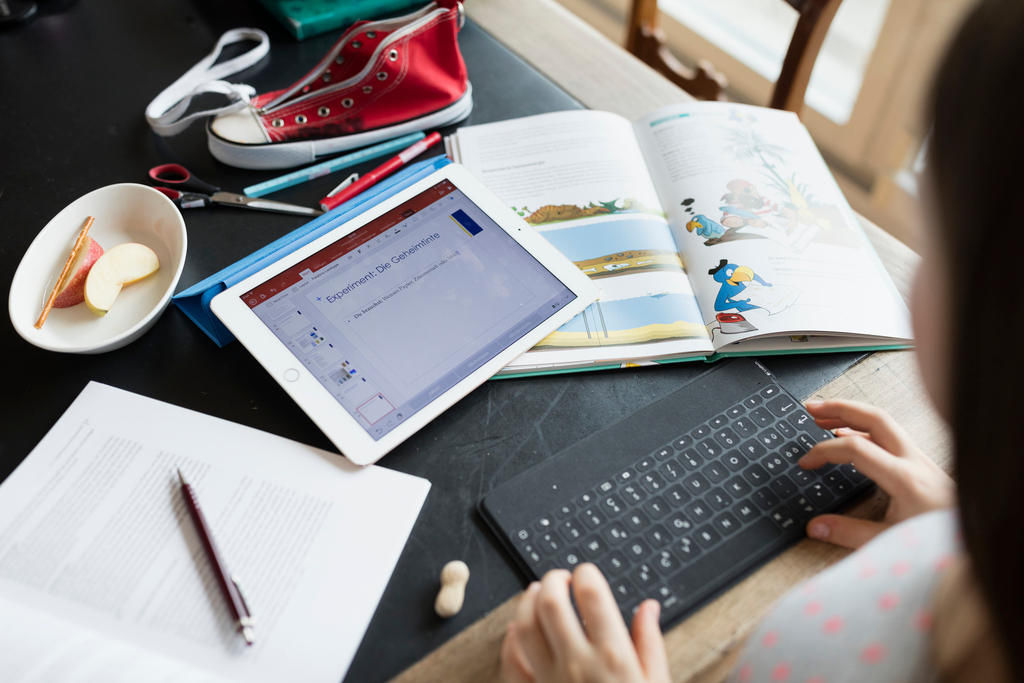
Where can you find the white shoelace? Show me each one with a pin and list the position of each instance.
(166, 113)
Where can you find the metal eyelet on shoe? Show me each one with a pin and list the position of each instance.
(382, 75)
(300, 119)
(326, 77)
(367, 89)
(393, 55)
(339, 60)
(356, 44)
(323, 111)
(305, 89)
(277, 123)
(347, 102)
(371, 34)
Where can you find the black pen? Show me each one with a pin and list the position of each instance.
(228, 583)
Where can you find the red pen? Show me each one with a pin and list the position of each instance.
(382, 171)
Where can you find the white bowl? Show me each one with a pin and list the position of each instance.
(126, 212)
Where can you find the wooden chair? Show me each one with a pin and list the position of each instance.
(646, 40)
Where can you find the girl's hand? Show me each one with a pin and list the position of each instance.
(547, 642)
(871, 440)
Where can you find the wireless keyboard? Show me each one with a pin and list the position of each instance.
(682, 498)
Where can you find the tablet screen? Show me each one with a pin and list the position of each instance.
(397, 312)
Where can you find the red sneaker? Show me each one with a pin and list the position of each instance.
(381, 79)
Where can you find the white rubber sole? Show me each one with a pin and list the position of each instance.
(287, 154)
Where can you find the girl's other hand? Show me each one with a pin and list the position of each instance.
(546, 641)
(871, 440)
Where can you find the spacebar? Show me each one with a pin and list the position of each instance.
(718, 567)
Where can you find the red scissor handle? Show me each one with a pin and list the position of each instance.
(178, 176)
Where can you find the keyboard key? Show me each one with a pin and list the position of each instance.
(605, 487)
(690, 460)
(636, 549)
(746, 512)
(624, 591)
(585, 499)
(686, 549)
(637, 520)
(614, 563)
(613, 505)
(656, 508)
(715, 472)
(727, 438)
(801, 476)
(761, 417)
(522, 535)
(736, 411)
(770, 391)
(700, 432)
(734, 461)
(782, 405)
(677, 495)
(819, 495)
(774, 464)
(792, 451)
(784, 517)
(708, 449)
(614, 534)
(592, 518)
(698, 511)
(633, 493)
(707, 537)
(624, 477)
(805, 441)
(853, 474)
(726, 524)
(738, 487)
(549, 542)
(802, 420)
(744, 427)
(752, 401)
(765, 499)
(644, 577)
(770, 439)
(664, 452)
(803, 506)
(783, 486)
(593, 547)
(564, 510)
(671, 470)
(571, 530)
(696, 484)
(645, 464)
(787, 430)
(667, 598)
(570, 558)
(718, 499)
(753, 450)
(665, 563)
(682, 442)
(756, 475)
(531, 554)
(837, 482)
(657, 536)
(679, 523)
(718, 421)
(652, 482)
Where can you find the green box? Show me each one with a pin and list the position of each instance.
(305, 18)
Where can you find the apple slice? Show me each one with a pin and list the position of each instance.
(119, 266)
(72, 293)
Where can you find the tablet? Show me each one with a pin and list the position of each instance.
(378, 326)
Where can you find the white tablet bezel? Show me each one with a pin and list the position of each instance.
(329, 415)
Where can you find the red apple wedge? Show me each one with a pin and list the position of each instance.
(73, 292)
(119, 266)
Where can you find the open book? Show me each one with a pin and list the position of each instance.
(712, 229)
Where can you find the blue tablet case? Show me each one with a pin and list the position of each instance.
(195, 301)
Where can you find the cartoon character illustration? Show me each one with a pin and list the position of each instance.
(744, 205)
(733, 278)
(705, 227)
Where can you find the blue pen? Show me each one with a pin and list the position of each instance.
(331, 165)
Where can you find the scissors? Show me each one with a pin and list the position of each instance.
(189, 192)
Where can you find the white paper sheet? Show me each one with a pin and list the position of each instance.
(95, 538)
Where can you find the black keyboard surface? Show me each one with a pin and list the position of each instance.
(679, 500)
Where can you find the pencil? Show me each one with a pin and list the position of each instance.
(64, 272)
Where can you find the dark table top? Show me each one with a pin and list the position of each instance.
(73, 86)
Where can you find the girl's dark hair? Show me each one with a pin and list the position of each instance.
(976, 167)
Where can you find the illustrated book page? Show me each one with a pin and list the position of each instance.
(96, 545)
(776, 256)
(579, 179)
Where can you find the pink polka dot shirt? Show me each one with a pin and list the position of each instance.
(866, 618)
